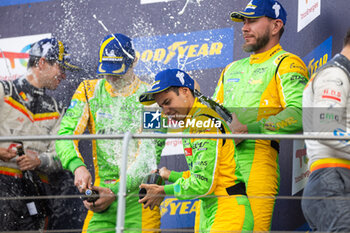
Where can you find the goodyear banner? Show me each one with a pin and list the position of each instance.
(319, 56)
(188, 51)
(177, 214)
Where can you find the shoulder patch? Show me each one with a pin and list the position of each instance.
(218, 125)
(280, 57)
(89, 87)
(293, 64)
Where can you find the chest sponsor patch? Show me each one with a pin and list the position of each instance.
(255, 81)
(188, 151)
(260, 70)
(104, 115)
(72, 104)
(235, 80)
(23, 95)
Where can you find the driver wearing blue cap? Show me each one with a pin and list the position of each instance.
(26, 109)
(213, 176)
(264, 91)
(109, 105)
(260, 8)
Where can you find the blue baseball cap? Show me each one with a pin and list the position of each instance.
(260, 8)
(52, 49)
(116, 55)
(164, 80)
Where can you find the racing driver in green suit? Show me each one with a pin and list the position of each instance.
(264, 91)
(110, 106)
(213, 176)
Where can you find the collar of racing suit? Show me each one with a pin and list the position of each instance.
(29, 88)
(127, 91)
(340, 61)
(262, 57)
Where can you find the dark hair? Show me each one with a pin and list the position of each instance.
(34, 61)
(176, 90)
(281, 32)
(347, 38)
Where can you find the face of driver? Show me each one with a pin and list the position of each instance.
(51, 75)
(175, 106)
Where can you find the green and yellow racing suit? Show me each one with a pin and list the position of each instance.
(265, 91)
(97, 106)
(214, 176)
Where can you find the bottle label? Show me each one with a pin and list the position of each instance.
(32, 208)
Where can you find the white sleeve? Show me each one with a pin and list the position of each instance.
(331, 91)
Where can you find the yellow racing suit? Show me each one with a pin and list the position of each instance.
(265, 91)
(214, 176)
(98, 107)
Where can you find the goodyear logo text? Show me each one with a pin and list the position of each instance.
(178, 214)
(189, 51)
(319, 56)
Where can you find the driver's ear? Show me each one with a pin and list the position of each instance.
(184, 90)
(276, 26)
(41, 63)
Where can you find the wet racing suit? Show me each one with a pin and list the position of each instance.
(326, 111)
(102, 110)
(269, 103)
(214, 176)
(27, 110)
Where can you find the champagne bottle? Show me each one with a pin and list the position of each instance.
(218, 108)
(30, 188)
(153, 178)
(91, 195)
